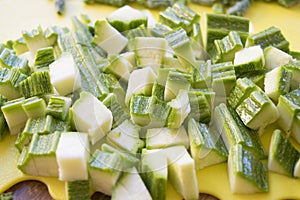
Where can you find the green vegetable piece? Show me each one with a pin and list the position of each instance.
(43, 58)
(9, 82)
(38, 38)
(176, 81)
(78, 189)
(282, 155)
(225, 49)
(247, 174)
(239, 8)
(34, 107)
(105, 169)
(154, 172)
(118, 66)
(206, 146)
(294, 67)
(128, 160)
(219, 26)
(6, 196)
(233, 131)
(159, 138)
(275, 57)
(20, 46)
(179, 16)
(204, 2)
(288, 107)
(117, 3)
(200, 107)
(126, 18)
(223, 78)
(179, 41)
(180, 108)
(242, 89)
(14, 115)
(9, 60)
(257, 111)
(130, 185)
(58, 107)
(201, 75)
(39, 158)
(126, 137)
(271, 36)
(277, 82)
(37, 84)
(288, 3)
(156, 4)
(249, 61)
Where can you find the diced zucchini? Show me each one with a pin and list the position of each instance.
(201, 75)
(175, 82)
(97, 124)
(14, 115)
(277, 82)
(154, 172)
(39, 159)
(275, 57)
(119, 66)
(9, 82)
(288, 106)
(130, 186)
(58, 107)
(64, 74)
(158, 91)
(43, 58)
(200, 107)
(72, 155)
(9, 60)
(271, 36)
(206, 146)
(243, 88)
(196, 40)
(182, 172)
(20, 46)
(34, 107)
(282, 155)
(149, 51)
(233, 131)
(158, 138)
(181, 45)
(294, 67)
(38, 38)
(180, 108)
(38, 83)
(104, 169)
(249, 61)
(140, 82)
(219, 25)
(223, 78)
(108, 38)
(117, 3)
(126, 18)
(172, 62)
(126, 137)
(225, 48)
(78, 189)
(179, 16)
(247, 174)
(156, 4)
(257, 111)
(128, 160)
(296, 127)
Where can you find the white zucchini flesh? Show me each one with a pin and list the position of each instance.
(64, 75)
(254, 53)
(275, 57)
(130, 186)
(108, 38)
(72, 155)
(91, 116)
(140, 82)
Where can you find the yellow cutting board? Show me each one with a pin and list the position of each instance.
(19, 15)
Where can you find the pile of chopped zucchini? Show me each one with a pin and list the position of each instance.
(120, 107)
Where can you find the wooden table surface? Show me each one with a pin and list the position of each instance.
(35, 190)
